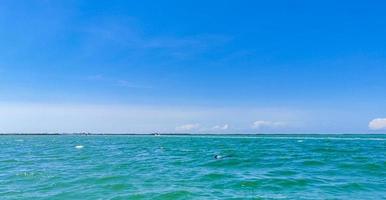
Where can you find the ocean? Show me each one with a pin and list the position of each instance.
(192, 167)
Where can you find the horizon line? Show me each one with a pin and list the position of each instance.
(157, 133)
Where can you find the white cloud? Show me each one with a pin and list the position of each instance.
(221, 127)
(378, 124)
(267, 124)
(188, 127)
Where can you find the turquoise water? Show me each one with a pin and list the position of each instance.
(184, 167)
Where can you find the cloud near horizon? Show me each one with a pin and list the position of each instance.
(378, 124)
(188, 127)
(118, 118)
(260, 124)
(221, 127)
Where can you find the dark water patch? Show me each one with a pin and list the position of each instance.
(353, 186)
(289, 182)
(216, 176)
(287, 173)
(181, 194)
(248, 184)
(118, 187)
(224, 163)
(109, 179)
(373, 167)
(313, 163)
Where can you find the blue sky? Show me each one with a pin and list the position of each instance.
(193, 66)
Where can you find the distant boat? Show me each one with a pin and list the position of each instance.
(156, 134)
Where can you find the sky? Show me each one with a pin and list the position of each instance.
(192, 66)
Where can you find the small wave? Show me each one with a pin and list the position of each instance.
(25, 174)
(179, 194)
(79, 146)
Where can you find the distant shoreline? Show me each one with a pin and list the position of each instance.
(188, 134)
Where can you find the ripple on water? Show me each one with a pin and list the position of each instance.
(312, 163)
(286, 173)
(216, 176)
(179, 194)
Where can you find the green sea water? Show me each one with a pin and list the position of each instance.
(186, 167)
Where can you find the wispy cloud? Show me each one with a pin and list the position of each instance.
(124, 34)
(220, 127)
(128, 84)
(188, 127)
(378, 124)
(196, 127)
(117, 82)
(261, 124)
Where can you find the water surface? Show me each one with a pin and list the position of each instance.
(185, 167)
